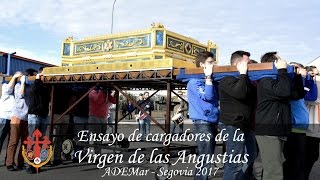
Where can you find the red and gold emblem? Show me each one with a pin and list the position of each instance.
(38, 151)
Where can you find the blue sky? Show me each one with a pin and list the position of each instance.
(36, 28)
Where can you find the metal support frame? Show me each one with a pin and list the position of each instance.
(52, 121)
(138, 104)
(156, 74)
(157, 80)
(117, 112)
(165, 128)
(51, 113)
(168, 117)
(180, 97)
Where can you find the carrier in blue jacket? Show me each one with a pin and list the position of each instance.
(300, 115)
(203, 101)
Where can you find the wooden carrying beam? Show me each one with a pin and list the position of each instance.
(30, 78)
(228, 68)
(187, 71)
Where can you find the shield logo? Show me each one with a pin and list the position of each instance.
(36, 150)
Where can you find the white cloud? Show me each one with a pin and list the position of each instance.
(256, 26)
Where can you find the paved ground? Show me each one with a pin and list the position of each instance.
(79, 171)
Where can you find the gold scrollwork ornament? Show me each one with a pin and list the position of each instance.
(127, 43)
(176, 45)
(107, 45)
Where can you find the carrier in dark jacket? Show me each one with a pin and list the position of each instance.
(273, 115)
(237, 101)
(37, 98)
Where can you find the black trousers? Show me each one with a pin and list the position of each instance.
(295, 154)
(312, 151)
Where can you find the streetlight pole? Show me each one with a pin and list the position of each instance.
(112, 16)
(9, 62)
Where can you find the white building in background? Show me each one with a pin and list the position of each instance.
(315, 62)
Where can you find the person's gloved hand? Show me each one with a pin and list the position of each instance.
(242, 67)
(17, 74)
(280, 63)
(23, 79)
(38, 76)
(208, 70)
